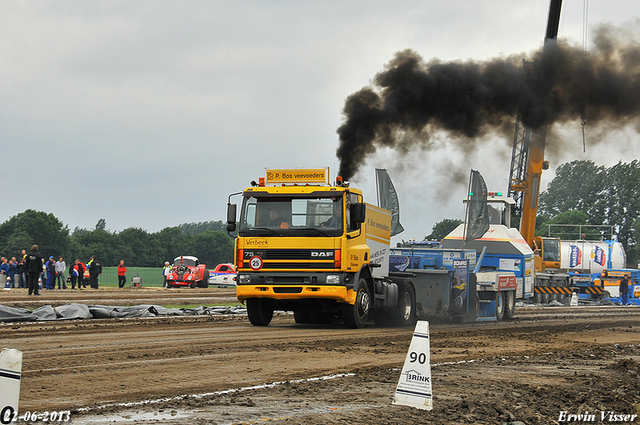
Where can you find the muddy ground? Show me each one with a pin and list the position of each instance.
(222, 370)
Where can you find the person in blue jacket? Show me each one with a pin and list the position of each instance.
(4, 272)
(12, 272)
(51, 273)
(624, 289)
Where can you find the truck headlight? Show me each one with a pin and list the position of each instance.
(244, 278)
(333, 279)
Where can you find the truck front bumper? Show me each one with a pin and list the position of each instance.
(295, 292)
(295, 286)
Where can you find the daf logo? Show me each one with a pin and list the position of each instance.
(321, 254)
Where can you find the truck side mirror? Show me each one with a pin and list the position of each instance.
(231, 217)
(358, 212)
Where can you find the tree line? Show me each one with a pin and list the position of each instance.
(138, 248)
(583, 193)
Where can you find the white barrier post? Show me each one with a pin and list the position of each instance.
(414, 385)
(10, 373)
(574, 299)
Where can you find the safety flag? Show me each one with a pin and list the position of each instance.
(388, 199)
(477, 222)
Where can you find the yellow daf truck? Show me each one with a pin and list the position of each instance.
(316, 249)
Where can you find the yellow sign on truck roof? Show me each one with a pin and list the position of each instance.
(300, 176)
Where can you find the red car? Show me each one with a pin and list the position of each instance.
(187, 271)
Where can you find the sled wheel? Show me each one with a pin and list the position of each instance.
(499, 306)
(509, 304)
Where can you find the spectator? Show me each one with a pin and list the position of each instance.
(33, 264)
(11, 275)
(94, 271)
(4, 272)
(61, 267)
(51, 273)
(73, 275)
(165, 272)
(43, 273)
(122, 279)
(81, 270)
(21, 274)
(624, 289)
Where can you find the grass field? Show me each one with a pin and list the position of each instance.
(150, 276)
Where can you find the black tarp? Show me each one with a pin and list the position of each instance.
(82, 311)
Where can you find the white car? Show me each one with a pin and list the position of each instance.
(223, 275)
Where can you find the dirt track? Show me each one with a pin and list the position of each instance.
(200, 369)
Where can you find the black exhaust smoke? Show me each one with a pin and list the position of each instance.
(412, 100)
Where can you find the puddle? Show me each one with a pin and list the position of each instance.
(131, 417)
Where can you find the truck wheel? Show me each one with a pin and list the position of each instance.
(355, 316)
(509, 304)
(405, 312)
(260, 311)
(499, 306)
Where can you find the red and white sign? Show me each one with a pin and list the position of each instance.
(507, 282)
(255, 263)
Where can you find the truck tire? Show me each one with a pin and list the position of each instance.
(509, 304)
(405, 313)
(260, 311)
(355, 316)
(499, 306)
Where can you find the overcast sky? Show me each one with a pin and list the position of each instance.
(149, 113)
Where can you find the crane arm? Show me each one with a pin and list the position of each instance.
(527, 160)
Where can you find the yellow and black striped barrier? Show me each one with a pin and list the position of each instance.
(598, 290)
(563, 290)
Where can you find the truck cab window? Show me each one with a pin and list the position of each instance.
(292, 216)
(551, 250)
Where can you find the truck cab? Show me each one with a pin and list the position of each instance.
(310, 247)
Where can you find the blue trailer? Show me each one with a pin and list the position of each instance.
(459, 283)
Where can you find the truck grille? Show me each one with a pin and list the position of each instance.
(292, 259)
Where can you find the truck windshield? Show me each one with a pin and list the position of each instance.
(551, 249)
(289, 216)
